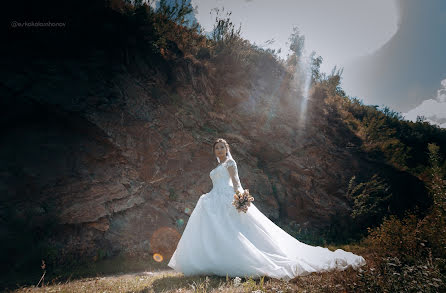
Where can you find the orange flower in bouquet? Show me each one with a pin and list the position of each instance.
(242, 200)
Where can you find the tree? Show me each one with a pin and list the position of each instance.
(315, 67)
(176, 12)
(297, 42)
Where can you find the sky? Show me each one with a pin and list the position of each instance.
(408, 73)
(334, 29)
(392, 51)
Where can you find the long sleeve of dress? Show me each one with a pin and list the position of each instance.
(231, 165)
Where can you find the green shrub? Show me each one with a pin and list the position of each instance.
(370, 200)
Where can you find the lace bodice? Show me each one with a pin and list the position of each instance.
(226, 174)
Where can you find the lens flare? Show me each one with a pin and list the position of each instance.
(164, 241)
(157, 257)
(303, 77)
(180, 222)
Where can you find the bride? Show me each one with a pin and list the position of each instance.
(219, 240)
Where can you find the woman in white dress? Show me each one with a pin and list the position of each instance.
(218, 240)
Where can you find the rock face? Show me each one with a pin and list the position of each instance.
(98, 157)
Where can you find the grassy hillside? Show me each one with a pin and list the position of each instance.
(402, 230)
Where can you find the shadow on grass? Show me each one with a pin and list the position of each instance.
(109, 266)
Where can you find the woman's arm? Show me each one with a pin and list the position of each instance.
(231, 165)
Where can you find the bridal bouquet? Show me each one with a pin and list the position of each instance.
(242, 200)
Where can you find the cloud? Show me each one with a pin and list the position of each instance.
(434, 110)
(441, 93)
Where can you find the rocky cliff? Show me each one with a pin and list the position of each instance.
(101, 151)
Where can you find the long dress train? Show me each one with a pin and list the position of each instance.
(219, 240)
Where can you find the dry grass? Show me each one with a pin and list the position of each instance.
(167, 280)
(375, 276)
(170, 281)
(136, 282)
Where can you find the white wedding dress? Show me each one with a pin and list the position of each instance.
(218, 240)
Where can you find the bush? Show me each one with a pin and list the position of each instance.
(370, 200)
(413, 250)
(410, 236)
(395, 237)
(224, 33)
(393, 275)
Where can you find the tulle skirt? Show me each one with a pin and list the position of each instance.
(218, 240)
